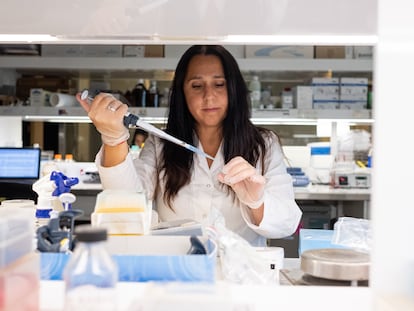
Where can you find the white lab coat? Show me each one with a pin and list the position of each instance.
(204, 192)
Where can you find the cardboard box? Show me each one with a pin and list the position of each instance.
(278, 51)
(133, 51)
(49, 83)
(353, 104)
(354, 90)
(363, 52)
(334, 51)
(39, 98)
(61, 50)
(325, 89)
(101, 50)
(154, 51)
(350, 81)
(302, 96)
(175, 50)
(147, 258)
(325, 104)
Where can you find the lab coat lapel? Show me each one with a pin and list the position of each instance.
(217, 164)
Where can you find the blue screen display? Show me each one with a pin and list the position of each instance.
(21, 163)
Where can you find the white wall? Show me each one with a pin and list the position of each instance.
(11, 132)
(392, 200)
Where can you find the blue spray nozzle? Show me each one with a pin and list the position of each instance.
(62, 182)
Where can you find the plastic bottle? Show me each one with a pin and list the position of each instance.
(165, 97)
(266, 101)
(153, 94)
(90, 275)
(139, 94)
(69, 158)
(57, 157)
(287, 98)
(44, 188)
(369, 160)
(255, 92)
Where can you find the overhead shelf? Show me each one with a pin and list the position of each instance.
(159, 115)
(127, 63)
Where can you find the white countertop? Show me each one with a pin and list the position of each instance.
(224, 296)
(308, 192)
(328, 193)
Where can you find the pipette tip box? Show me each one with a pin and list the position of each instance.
(147, 258)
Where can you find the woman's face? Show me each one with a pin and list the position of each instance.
(205, 91)
(139, 140)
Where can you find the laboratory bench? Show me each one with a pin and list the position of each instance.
(336, 198)
(338, 195)
(222, 295)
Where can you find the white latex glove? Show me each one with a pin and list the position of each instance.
(245, 181)
(107, 113)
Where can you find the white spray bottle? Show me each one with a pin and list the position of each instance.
(44, 188)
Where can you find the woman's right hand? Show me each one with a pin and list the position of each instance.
(107, 114)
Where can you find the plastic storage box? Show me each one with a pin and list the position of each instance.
(19, 265)
(122, 212)
(20, 284)
(16, 235)
(148, 258)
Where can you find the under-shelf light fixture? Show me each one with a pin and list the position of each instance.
(27, 38)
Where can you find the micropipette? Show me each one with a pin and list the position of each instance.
(132, 121)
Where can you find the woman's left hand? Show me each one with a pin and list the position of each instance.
(244, 180)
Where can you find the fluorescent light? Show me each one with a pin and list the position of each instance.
(284, 121)
(324, 128)
(59, 119)
(22, 38)
(82, 119)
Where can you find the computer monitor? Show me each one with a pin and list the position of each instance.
(19, 163)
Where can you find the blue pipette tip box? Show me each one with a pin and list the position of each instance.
(147, 258)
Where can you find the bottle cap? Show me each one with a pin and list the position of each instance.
(87, 233)
(69, 157)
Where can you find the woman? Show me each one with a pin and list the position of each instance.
(139, 138)
(210, 109)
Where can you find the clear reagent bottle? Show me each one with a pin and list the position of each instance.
(91, 275)
(255, 92)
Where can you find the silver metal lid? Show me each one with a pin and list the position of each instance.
(336, 264)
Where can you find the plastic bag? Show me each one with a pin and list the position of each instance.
(240, 262)
(353, 233)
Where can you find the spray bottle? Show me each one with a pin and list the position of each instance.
(49, 188)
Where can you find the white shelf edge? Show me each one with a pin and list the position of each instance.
(311, 64)
(159, 115)
(132, 63)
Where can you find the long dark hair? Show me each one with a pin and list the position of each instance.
(240, 136)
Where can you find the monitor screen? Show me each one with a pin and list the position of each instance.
(20, 163)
